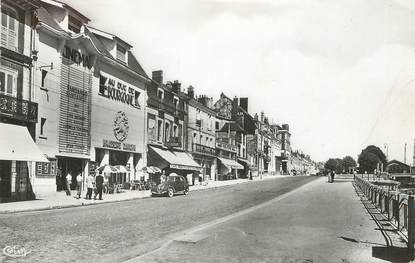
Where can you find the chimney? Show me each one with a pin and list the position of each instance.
(191, 92)
(256, 116)
(262, 116)
(286, 127)
(204, 100)
(243, 102)
(158, 76)
(176, 86)
(235, 104)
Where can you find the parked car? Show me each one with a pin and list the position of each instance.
(172, 185)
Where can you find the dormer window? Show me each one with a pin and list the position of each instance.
(74, 25)
(176, 102)
(121, 53)
(160, 94)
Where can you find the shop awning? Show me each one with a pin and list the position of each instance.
(177, 160)
(230, 163)
(244, 161)
(16, 144)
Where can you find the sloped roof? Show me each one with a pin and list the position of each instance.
(233, 127)
(135, 65)
(44, 17)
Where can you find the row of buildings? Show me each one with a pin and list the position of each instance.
(75, 97)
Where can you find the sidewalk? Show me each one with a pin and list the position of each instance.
(61, 200)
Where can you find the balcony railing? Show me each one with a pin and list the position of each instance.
(18, 108)
(226, 146)
(174, 142)
(199, 148)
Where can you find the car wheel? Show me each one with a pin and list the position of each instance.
(170, 192)
(185, 192)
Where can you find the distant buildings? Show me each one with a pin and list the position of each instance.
(74, 98)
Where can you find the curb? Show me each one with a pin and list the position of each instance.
(55, 207)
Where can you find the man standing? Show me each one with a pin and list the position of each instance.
(89, 186)
(68, 183)
(332, 176)
(99, 182)
(79, 184)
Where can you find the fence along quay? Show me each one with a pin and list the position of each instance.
(398, 207)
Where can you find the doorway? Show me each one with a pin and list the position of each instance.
(5, 180)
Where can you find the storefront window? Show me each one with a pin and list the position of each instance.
(159, 130)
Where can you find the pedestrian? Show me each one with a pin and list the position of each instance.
(79, 184)
(68, 183)
(59, 179)
(332, 176)
(163, 177)
(329, 176)
(90, 186)
(99, 183)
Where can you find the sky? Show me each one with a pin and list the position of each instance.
(340, 73)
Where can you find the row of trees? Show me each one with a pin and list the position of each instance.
(340, 165)
(368, 160)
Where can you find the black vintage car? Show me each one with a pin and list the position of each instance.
(172, 185)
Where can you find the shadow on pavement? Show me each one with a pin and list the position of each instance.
(392, 254)
(387, 252)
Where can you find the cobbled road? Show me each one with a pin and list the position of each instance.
(116, 232)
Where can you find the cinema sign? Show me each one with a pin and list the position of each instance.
(77, 57)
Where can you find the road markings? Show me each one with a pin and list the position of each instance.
(190, 234)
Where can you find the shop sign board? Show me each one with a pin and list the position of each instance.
(109, 144)
(118, 90)
(46, 169)
(74, 112)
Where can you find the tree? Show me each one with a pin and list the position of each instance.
(334, 164)
(349, 162)
(368, 162)
(370, 157)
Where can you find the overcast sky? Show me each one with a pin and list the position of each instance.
(340, 73)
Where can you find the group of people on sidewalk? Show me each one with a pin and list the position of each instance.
(93, 183)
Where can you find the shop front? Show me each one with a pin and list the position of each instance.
(228, 169)
(244, 173)
(170, 161)
(118, 125)
(17, 152)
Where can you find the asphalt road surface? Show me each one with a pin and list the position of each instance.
(134, 230)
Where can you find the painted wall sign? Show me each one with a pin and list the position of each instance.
(118, 90)
(77, 57)
(74, 112)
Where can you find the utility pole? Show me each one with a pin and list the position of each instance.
(404, 157)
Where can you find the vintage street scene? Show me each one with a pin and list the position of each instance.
(207, 131)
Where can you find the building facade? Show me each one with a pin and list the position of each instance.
(166, 128)
(18, 108)
(226, 140)
(201, 138)
(91, 95)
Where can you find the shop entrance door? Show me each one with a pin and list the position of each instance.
(5, 179)
(72, 165)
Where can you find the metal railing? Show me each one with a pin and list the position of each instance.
(399, 208)
(18, 108)
(199, 148)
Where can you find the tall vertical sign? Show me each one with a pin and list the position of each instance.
(75, 108)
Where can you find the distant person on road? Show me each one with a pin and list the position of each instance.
(99, 182)
(68, 183)
(332, 176)
(79, 184)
